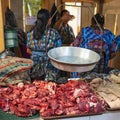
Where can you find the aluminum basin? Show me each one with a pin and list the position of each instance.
(73, 59)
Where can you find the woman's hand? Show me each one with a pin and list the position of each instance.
(67, 17)
(29, 51)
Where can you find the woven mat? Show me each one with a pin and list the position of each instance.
(11, 66)
(7, 116)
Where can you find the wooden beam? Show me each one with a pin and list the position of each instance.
(79, 1)
(106, 1)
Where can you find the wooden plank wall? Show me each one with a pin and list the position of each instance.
(111, 11)
(48, 4)
(17, 8)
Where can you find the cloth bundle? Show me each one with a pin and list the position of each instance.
(14, 69)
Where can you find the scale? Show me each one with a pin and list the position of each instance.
(73, 59)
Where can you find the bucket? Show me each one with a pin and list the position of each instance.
(11, 39)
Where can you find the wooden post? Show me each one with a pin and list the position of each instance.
(3, 5)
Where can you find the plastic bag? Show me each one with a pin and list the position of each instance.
(38, 71)
(51, 75)
(55, 77)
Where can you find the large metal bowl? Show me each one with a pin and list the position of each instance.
(73, 59)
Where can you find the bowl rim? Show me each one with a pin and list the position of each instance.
(73, 64)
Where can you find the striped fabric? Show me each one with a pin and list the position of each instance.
(11, 68)
(67, 34)
(38, 47)
(101, 42)
(117, 39)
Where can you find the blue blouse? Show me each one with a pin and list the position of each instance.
(49, 40)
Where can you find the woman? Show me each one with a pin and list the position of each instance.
(18, 46)
(98, 39)
(65, 30)
(42, 38)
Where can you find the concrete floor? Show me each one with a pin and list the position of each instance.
(114, 115)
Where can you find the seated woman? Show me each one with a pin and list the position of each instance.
(17, 46)
(98, 39)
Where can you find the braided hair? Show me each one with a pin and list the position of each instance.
(99, 18)
(43, 16)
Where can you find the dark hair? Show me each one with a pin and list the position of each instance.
(99, 18)
(63, 12)
(10, 18)
(43, 16)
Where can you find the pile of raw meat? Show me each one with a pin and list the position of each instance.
(50, 99)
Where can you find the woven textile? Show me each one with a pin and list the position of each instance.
(12, 68)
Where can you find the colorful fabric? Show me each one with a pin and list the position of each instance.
(67, 34)
(117, 39)
(51, 38)
(12, 68)
(101, 42)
